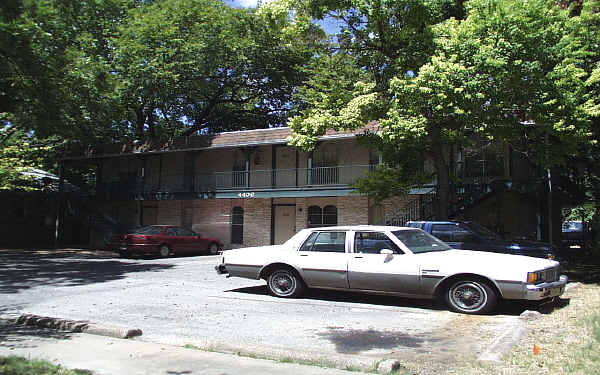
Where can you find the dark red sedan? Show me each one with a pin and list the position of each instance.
(164, 240)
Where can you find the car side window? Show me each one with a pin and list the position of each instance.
(327, 242)
(171, 232)
(185, 232)
(463, 235)
(444, 232)
(373, 243)
(307, 245)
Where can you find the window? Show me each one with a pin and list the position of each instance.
(330, 215)
(444, 232)
(373, 243)
(420, 242)
(184, 232)
(237, 225)
(150, 230)
(326, 242)
(318, 217)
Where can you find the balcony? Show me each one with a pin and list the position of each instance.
(185, 187)
(336, 176)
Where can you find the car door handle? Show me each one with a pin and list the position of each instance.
(358, 257)
(303, 255)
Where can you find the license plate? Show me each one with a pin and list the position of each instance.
(557, 291)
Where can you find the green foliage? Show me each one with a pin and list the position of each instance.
(20, 153)
(13, 365)
(56, 77)
(188, 65)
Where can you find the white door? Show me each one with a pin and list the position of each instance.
(285, 223)
(368, 269)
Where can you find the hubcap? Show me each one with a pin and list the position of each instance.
(468, 296)
(283, 283)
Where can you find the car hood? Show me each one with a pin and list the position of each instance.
(482, 260)
(524, 244)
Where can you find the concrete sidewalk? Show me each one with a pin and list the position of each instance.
(110, 356)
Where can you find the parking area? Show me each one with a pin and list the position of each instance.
(183, 301)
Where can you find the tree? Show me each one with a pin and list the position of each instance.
(192, 65)
(21, 154)
(56, 77)
(508, 71)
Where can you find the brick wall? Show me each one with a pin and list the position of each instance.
(169, 212)
(212, 217)
(257, 222)
(353, 210)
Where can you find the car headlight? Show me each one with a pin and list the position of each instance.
(535, 277)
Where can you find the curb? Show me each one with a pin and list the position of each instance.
(77, 326)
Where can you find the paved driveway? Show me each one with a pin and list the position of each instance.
(183, 301)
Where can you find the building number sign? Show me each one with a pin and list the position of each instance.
(247, 194)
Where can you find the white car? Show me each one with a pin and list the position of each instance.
(399, 261)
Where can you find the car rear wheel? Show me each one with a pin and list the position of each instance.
(164, 251)
(213, 249)
(471, 297)
(284, 282)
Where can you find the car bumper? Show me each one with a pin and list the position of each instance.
(546, 290)
(138, 248)
(221, 270)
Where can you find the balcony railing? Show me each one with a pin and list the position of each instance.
(341, 175)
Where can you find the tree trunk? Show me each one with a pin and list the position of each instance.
(441, 169)
(140, 120)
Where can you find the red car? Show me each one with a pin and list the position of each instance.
(164, 240)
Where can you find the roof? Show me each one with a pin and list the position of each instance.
(380, 228)
(244, 138)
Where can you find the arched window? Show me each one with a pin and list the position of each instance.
(315, 216)
(237, 225)
(318, 217)
(330, 215)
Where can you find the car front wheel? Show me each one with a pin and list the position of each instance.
(285, 283)
(471, 297)
(164, 251)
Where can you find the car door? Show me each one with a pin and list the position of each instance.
(323, 259)
(190, 242)
(368, 269)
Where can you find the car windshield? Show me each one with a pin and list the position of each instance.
(148, 230)
(419, 241)
(484, 232)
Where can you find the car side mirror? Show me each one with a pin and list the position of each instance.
(386, 252)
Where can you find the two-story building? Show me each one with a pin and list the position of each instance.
(251, 188)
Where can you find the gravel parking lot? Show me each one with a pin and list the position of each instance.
(183, 301)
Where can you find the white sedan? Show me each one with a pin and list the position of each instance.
(397, 261)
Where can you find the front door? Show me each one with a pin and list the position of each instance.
(368, 269)
(285, 223)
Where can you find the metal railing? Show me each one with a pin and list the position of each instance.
(340, 175)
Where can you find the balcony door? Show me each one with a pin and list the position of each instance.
(285, 166)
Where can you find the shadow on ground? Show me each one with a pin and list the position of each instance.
(22, 269)
(506, 307)
(14, 336)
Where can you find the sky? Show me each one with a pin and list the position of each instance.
(330, 27)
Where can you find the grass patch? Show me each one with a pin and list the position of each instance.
(21, 366)
(567, 341)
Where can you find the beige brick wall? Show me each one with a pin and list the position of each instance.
(169, 213)
(301, 213)
(353, 210)
(212, 217)
(257, 222)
